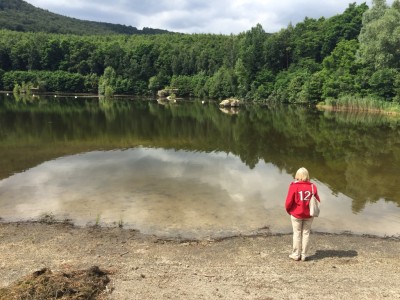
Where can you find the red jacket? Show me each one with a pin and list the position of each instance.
(298, 199)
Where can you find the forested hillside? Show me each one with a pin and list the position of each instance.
(19, 15)
(352, 56)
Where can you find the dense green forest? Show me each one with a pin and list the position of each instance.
(19, 15)
(352, 56)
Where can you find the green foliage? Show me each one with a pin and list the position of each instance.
(307, 40)
(158, 82)
(19, 15)
(242, 78)
(184, 84)
(222, 84)
(252, 50)
(16, 89)
(312, 89)
(278, 55)
(108, 82)
(340, 70)
(1, 79)
(191, 86)
(299, 51)
(47, 81)
(294, 85)
(384, 83)
(307, 63)
(262, 86)
(344, 26)
(380, 36)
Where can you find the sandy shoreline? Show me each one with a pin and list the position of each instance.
(148, 267)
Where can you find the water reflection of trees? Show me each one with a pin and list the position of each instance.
(353, 154)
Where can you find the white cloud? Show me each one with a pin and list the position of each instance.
(224, 16)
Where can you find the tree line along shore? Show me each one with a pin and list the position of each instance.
(347, 60)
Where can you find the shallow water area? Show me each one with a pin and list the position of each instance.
(157, 191)
(172, 193)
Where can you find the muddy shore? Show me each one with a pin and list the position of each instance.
(257, 267)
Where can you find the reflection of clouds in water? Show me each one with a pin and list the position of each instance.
(145, 187)
(159, 191)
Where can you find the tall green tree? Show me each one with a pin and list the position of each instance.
(252, 50)
(384, 83)
(242, 78)
(222, 84)
(279, 49)
(307, 39)
(380, 36)
(345, 26)
(108, 82)
(340, 70)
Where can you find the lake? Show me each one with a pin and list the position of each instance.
(193, 170)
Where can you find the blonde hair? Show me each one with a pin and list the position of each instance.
(302, 175)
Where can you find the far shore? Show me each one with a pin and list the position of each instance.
(348, 109)
(322, 107)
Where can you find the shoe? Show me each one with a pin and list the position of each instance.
(304, 258)
(294, 257)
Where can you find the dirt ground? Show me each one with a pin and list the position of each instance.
(257, 267)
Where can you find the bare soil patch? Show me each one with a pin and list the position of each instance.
(130, 265)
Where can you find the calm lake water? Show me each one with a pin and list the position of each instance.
(192, 170)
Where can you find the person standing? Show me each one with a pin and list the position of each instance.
(297, 206)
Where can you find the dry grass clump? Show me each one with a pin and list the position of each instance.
(44, 284)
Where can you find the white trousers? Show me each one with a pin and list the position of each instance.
(301, 236)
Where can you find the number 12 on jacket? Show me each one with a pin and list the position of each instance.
(306, 196)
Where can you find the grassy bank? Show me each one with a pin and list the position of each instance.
(369, 104)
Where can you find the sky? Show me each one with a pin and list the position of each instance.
(198, 16)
